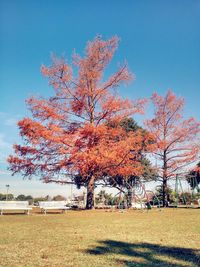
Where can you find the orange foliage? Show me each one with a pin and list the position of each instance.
(69, 133)
(177, 140)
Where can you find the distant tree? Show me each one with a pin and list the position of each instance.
(58, 198)
(9, 197)
(2, 197)
(21, 197)
(104, 198)
(25, 198)
(100, 197)
(68, 136)
(193, 177)
(176, 139)
(170, 195)
(39, 199)
(29, 197)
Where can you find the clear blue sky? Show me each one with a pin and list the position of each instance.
(159, 39)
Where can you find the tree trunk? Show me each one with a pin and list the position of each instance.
(90, 194)
(129, 198)
(164, 193)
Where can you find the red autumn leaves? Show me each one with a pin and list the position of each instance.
(70, 133)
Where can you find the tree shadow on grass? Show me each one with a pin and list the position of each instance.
(146, 254)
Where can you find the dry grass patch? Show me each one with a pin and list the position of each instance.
(98, 238)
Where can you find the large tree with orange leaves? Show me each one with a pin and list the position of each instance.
(176, 139)
(69, 135)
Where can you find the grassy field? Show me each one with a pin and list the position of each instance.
(169, 237)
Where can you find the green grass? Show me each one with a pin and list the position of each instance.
(170, 237)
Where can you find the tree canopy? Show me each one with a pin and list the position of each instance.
(69, 134)
(176, 139)
(193, 177)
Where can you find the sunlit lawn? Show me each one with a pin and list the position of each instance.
(169, 237)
